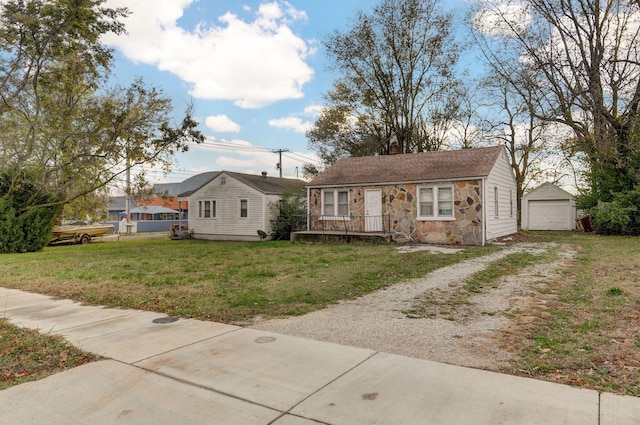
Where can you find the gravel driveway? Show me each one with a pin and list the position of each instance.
(376, 321)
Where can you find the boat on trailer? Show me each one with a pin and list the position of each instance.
(80, 234)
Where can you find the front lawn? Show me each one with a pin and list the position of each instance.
(219, 281)
(582, 328)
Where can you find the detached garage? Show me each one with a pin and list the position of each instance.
(548, 207)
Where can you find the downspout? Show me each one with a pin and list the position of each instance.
(484, 211)
(308, 210)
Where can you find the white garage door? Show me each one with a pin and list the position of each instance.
(549, 215)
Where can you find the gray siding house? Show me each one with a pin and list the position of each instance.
(234, 206)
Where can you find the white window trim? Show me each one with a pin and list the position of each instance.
(240, 208)
(333, 215)
(436, 216)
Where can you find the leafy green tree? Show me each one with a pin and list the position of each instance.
(25, 226)
(396, 78)
(292, 212)
(620, 216)
(63, 123)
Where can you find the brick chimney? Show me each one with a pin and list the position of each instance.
(394, 145)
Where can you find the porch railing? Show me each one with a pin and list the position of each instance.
(343, 224)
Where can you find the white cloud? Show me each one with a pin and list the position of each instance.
(298, 124)
(292, 123)
(222, 123)
(252, 63)
(313, 110)
(502, 18)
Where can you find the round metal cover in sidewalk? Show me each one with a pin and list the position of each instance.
(167, 319)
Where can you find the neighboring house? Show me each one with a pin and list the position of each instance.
(234, 206)
(117, 207)
(164, 195)
(548, 207)
(465, 197)
(153, 213)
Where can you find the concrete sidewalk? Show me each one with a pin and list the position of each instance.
(195, 372)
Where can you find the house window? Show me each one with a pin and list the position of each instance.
(445, 202)
(343, 203)
(207, 209)
(496, 209)
(244, 208)
(426, 201)
(435, 202)
(335, 202)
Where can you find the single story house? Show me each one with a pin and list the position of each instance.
(464, 197)
(152, 213)
(117, 207)
(234, 206)
(548, 207)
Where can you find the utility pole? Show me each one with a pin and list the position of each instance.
(279, 165)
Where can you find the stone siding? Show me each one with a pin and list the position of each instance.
(400, 203)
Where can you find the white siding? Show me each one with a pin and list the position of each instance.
(505, 222)
(228, 224)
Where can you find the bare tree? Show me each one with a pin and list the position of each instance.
(396, 65)
(587, 55)
(530, 142)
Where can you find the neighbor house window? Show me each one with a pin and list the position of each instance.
(435, 202)
(496, 209)
(335, 202)
(244, 208)
(207, 209)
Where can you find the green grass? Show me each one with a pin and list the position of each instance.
(587, 331)
(582, 328)
(220, 281)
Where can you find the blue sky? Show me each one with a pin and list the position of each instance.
(255, 71)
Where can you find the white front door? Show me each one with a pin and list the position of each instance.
(373, 210)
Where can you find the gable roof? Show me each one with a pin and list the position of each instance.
(194, 182)
(265, 184)
(548, 190)
(412, 167)
(268, 185)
